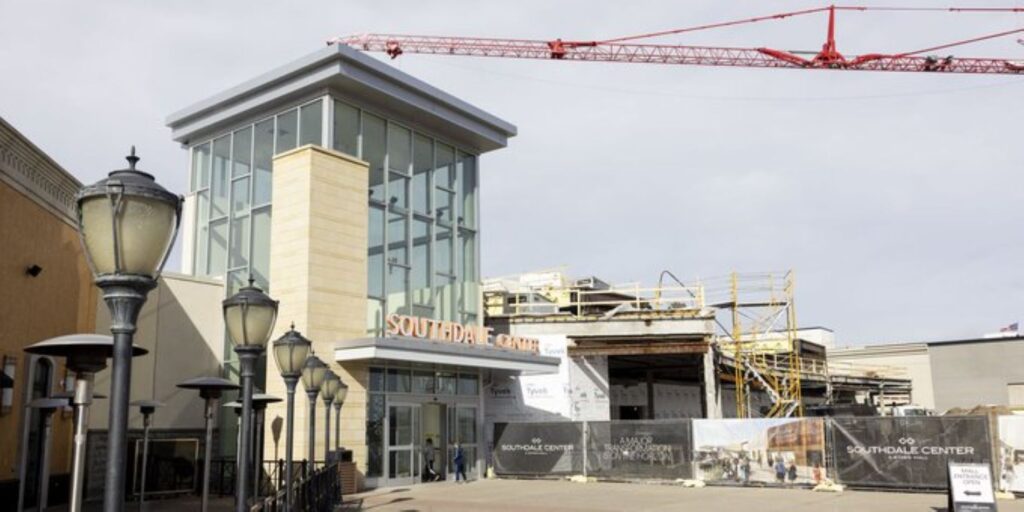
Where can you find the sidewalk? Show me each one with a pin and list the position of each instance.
(545, 495)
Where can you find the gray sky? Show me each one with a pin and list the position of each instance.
(895, 197)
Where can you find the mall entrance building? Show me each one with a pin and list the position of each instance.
(349, 191)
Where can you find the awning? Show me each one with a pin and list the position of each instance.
(416, 350)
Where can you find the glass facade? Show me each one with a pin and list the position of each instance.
(422, 251)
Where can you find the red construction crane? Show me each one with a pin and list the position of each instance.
(618, 50)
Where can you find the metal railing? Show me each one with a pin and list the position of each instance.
(319, 490)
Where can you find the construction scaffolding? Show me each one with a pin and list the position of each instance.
(760, 338)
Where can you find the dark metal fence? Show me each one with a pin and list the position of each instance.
(318, 490)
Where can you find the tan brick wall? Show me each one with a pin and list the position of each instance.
(318, 273)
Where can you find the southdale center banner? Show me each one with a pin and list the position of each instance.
(538, 448)
(907, 452)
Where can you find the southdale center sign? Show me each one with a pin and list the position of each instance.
(454, 332)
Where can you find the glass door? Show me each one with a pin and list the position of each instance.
(403, 430)
(462, 430)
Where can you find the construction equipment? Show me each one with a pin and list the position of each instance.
(625, 49)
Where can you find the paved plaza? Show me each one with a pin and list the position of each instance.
(544, 495)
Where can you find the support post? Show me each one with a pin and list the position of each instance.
(247, 360)
(82, 399)
(211, 404)
(289, 480)
(145, 458)
(124, 296)
(312, 431)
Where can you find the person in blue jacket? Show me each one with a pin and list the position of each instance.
(460, 463)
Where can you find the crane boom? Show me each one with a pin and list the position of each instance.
(619, 50)
(395, 45)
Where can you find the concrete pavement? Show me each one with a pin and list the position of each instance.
(546, 495)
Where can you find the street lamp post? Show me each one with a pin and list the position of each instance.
(327, 392)
(127, 224)
(249, 316)
(260, 401)
(313, 374)
(339, 398)
(290, 352)
(85, 355)
(210, 390)
(146, 407)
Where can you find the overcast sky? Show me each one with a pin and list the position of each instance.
(896, 198)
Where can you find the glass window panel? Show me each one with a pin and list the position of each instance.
(399, 380)
(468, 260)
(399, 148)
(236, 280)
(396, 238)
(400, 464)
(377, 379)
(444, 173)
(263, 162)
(240, 196)
(468, 384)
(241, 152)
(444, 298)
(239, 242)
(202, 232)
(312, 118)
(443, 250)
(346, 128)
(423, 161)
(375, 431)
(446, 383)
(423, 382)
(287, 131)
(374, 147)
(466, 419)
(397, 196)
(419, 280)
(375, 260)
(469, 454)
(467, 189)
(444, 204)
(201, 166)
(220, 176)
(398, 299)
(375, 317)
(261, 248)
(218, 251)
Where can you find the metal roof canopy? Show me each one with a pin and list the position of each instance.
(415, 350)
(364, 80)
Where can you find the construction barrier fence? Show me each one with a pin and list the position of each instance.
(869, 452)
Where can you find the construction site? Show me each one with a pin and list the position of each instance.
(723, 347)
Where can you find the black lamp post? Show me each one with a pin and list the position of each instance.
(260, 401)
(249, 316)
(146, 407)
(313, 374)
(127, 224)
(327, 392)
(210, 390)
(85, 354)
(290, 352)
(339, 398)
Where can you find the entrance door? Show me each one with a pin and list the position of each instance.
(403, 430)
(433, 442)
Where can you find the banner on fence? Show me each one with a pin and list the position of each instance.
(1011, 453)
(759, 451)
(639, 449)
(538, 448)
(910, 452)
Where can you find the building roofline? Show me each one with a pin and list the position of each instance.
(44, 180)
(321, 70)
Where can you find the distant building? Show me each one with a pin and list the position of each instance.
(45, 291)
(952, 374)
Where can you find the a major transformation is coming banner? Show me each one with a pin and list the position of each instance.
(907, 452)
(639, 449)
(759, 451)
(1011, 453)
(538, 448)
